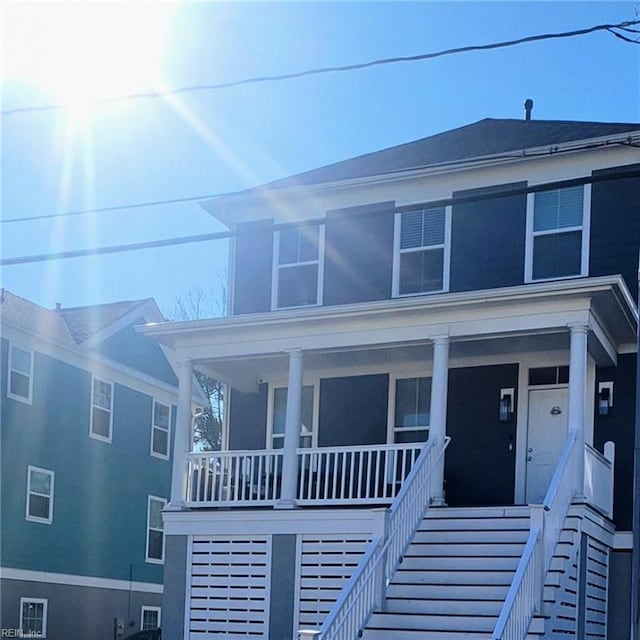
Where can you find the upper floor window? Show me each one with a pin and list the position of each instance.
(102, 410)
(150, 618)
(297, 273)
(280, 414)
(422, 246)
(558, 233)
(33, 618)
(412, 413)
(155, 530)
(39, 495)
(160, 430)
(20, 379)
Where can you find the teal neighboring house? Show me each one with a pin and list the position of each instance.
(88, 410)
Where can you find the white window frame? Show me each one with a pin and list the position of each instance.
(42, 601)
(52, 475)
(10, 370)
(275, 275)
(271, 402)
(445, 246)
(146, 607)
(98, 436)
(584, 228)
(154, 426)
(391, 413)
(149, 529)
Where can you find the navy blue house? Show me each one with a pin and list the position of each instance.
(430, 362)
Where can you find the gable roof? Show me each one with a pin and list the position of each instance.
(488, 137)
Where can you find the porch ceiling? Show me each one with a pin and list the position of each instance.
(532, 317)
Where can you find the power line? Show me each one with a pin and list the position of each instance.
(153, 203)
(343, 68)
(458, 199)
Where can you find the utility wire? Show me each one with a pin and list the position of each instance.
(458, 199)
(153, 203)
(335, 69)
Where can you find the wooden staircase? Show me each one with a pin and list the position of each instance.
(454, 577)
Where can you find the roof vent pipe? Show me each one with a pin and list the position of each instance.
(58, 306)
(528, 106)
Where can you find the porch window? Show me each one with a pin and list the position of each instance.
(160, 430)
(33, 617)
(557, 243)
(421, 257)
(155, 530)
(102, 410)
(149, 618)
(20, 378)
(279, 416)
(412, 410)
(39, 495)
(297, 277)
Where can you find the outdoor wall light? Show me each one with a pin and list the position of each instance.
(605, 398)
(505, 405)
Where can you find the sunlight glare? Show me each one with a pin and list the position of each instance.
(86, 52)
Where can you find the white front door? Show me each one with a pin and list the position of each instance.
(547, 432)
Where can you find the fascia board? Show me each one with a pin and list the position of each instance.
(220, 209)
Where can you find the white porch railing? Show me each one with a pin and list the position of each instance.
(365, 474)
(367, 587)
(547, 521)
(598, 477)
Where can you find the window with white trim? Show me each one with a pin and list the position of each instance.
(297, 276)
(557, 233)
(101, 410)
(280, 414)
(33, 617)
(150, 618)
(155, 530)
(39, 495)
(412, 414)
(20, 378)
(422, 248)
(160, 430)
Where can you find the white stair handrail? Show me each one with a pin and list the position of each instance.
(366, 588)
(547, 521)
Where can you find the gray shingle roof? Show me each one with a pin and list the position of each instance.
(486, 137)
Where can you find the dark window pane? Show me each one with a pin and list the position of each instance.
(418, 435)
(421, 271)
(413, 400)
(557, 255)
(19, 384)
(101, 422)
(298, 244)
(155, 545)
(39, 506)
(21, 361)
(558, 209)
(298, 286)
(160, 442)
(563, 375)
(542, 375)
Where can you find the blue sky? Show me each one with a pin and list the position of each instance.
(213, 142)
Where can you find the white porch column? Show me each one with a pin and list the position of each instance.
(438, 423)
(183, 436)
(292, 432)
(578, 393)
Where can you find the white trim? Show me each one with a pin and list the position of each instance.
(623, 540)
(68, 579)
(397, 251)
(584, 228)
(45, 605)
(276, 266)
(187, 588)
(92, 434)
(52, 475)
(148, 607)
(154, 426)
(15, 396)
(164, 501)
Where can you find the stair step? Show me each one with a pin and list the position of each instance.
(432, 622)
(471, 536)
(473, 592)
(474, 524)
(474, 563)
(485, 549)
(404, 634)
(443, 607)
(444, 577)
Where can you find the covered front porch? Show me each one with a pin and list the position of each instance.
(317, 414)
